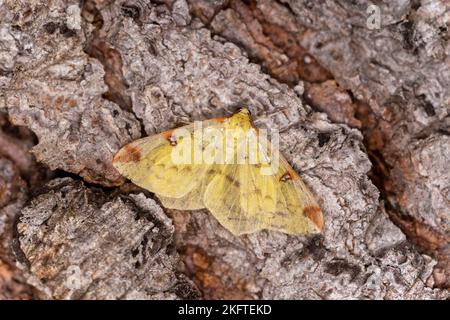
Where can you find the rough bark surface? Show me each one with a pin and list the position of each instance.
(12, 197)
(78, 243)
(87, 77)
(15, 166)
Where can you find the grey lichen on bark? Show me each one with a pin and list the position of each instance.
(54, 88)
(78, 241)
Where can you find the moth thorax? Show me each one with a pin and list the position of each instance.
(240, 120)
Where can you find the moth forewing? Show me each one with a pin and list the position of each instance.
(233, 145)
(253, 147)
(181, 140)
(198, 142)
(269, 152)
(213, 150)
(231, 169)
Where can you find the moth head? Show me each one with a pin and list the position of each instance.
(241, 119)
(244, 111)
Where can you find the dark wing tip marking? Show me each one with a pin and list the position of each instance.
(128, 153)
(314, 213)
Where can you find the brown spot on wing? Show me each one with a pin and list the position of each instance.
(167, 134)
(315, 215)
(187, 169)
(285, 177)
(173, 141)
(234, 182)
(128, 153)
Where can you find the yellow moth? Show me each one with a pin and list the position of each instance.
(223, 164)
